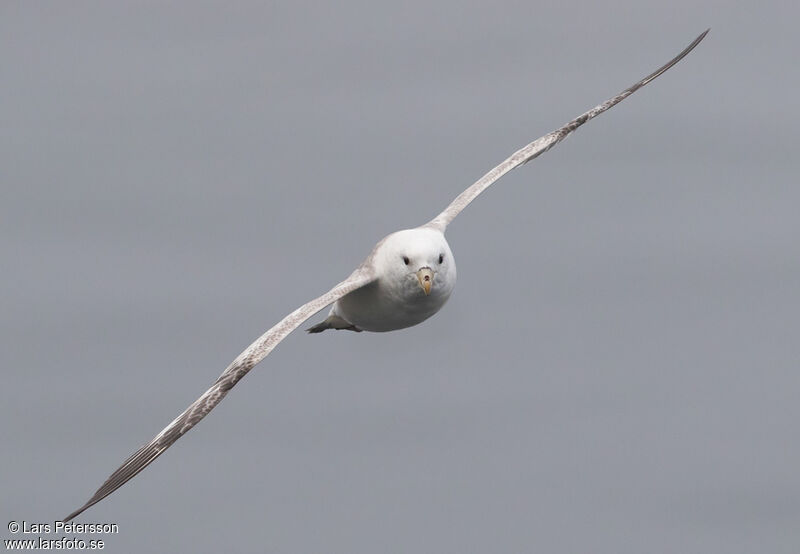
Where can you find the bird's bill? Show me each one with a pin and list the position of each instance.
(425, 276)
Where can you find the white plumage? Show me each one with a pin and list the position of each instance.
(407, 278)
(396, 299)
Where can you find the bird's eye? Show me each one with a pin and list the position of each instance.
(441, 258)
(406, 260)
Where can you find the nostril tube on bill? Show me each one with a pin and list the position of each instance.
(425, 276)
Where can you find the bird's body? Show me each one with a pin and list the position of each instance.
(396, 298)
(407, 278)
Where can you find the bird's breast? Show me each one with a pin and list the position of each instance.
(380, 307)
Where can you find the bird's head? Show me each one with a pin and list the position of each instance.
(419, 261)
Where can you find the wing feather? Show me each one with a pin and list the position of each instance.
(545, 143)
(234, 372)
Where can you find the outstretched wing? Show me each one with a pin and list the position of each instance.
(235, 371)
(545, 143)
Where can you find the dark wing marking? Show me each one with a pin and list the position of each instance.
(545, 143)
(235, 371)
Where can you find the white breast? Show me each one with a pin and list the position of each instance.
(383, 307)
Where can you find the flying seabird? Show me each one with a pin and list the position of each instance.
(407, 278)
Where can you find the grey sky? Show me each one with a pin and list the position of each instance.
(617, 370)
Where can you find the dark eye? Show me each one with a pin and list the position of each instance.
(441, 258)
(406, 260)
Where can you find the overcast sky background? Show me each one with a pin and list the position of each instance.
(616, 372)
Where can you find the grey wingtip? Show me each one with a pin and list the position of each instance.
(76, 513)
(701, 36)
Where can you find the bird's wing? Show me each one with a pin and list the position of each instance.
(235, 371)
(545, 143)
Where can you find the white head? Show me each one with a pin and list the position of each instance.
(419, 261)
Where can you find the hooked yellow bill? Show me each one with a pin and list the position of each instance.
(425, 276)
